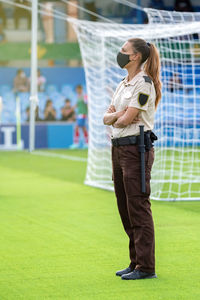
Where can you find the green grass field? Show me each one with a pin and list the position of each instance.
(60, 239)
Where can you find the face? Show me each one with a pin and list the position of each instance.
(126, 56)
(79, 90)
(49, 104)
(127, 49)
(22, 74)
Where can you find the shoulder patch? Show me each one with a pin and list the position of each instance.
(142, 99)
(147, 79)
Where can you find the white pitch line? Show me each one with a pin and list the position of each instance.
(63, 156)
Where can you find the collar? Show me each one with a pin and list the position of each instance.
(134, 79)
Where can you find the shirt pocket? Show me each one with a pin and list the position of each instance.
(126, 99)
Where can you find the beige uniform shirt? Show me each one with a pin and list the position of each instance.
(139, 93)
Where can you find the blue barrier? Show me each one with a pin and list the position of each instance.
(47, 135)
(59, 135)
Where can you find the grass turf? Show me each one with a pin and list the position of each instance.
(60, 239)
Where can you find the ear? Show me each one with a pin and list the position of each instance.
(135, 56)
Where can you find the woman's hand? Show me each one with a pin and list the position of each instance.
(111, 109)
(136, 120)
(111, 116)
(129, 117)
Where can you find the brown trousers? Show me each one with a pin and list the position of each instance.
(134, 206)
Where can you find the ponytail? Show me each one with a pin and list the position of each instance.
(152, 68)
(151, 60)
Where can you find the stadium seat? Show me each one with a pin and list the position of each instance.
(24, 96)
(41, 114)
(58, 113)
(198, 91)
(24, 100)
(55, 95)
(73, 98)
(51, 88)
(190, 98)
(4, 89)
(8, 97)
(66, 90)
(42, 101)
(8, 116)
(23, 116)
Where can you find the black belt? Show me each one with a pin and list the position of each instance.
(127, 140)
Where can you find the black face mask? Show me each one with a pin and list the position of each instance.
(122, 59)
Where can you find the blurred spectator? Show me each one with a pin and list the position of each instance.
(36, 114)
(41, 80)
(49, 111)
(175, 83)
(60, 26)
(9, 11)
(2, 16)
(183, 5)
(67, 112)
(21, 82)
(157, 4)
(81, 118)
(48, 22)
(2, 35)
(90, 5)
(22, 13)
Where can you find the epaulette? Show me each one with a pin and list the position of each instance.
(147, 79)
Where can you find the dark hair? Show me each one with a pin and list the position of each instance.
(19, 71)
(67, 100)
(150, 56)
(48, 102)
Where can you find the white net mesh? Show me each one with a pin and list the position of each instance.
(175, 173)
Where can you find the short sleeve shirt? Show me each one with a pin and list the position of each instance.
(139, 93)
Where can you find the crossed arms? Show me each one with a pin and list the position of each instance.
(122, 118)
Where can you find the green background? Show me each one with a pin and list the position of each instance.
(21, 51)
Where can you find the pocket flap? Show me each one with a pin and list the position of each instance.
(127, 95)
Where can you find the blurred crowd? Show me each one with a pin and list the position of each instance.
(51, 32)
(21, 84)
(106, 8)
(68, 112)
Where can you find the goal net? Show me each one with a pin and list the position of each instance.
(175, 174)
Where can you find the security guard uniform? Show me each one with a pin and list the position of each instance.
(133, 205)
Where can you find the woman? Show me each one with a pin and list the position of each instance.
(67, 112)
(133, 104)
(21, 83)
(49, 112)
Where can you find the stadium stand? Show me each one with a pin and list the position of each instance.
(58, 88)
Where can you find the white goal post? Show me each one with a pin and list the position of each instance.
(176, 174)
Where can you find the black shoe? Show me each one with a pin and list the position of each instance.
(123, 272)
(137, 274)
